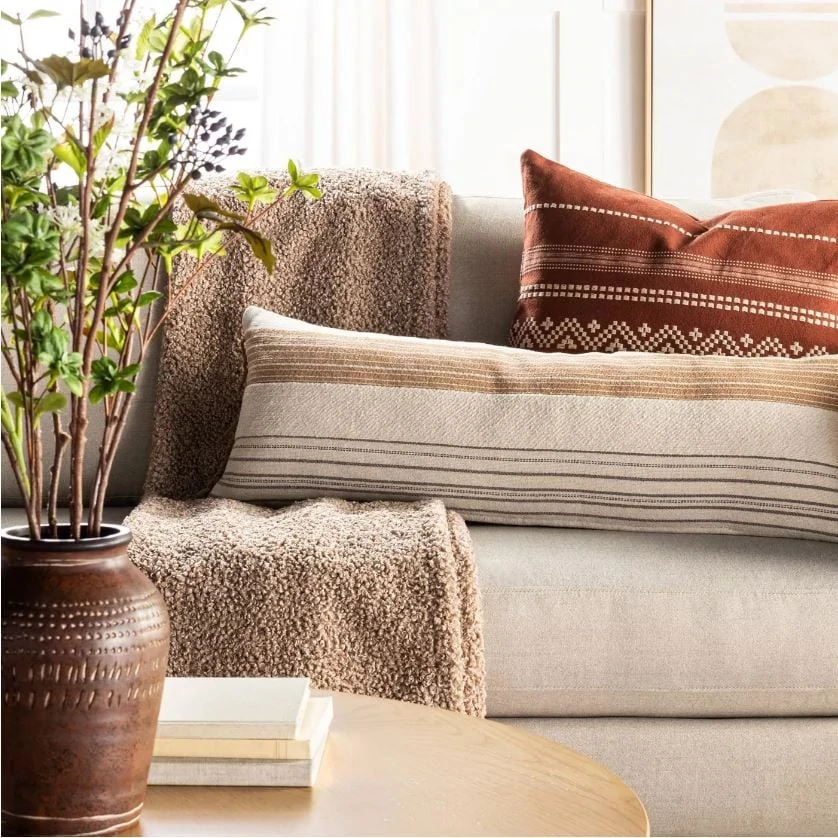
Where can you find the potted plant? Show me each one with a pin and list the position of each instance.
(97, 145)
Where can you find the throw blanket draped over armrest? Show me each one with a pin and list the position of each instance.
(371, 256)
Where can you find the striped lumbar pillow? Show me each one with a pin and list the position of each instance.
(631, 441)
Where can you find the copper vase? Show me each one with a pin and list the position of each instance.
(85, 645)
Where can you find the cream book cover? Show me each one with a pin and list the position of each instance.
(313, 732)
(232, 708)
(236, 772)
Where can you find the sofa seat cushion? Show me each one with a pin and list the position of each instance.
(594, 623)
(590, 623)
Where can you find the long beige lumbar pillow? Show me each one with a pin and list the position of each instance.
(628, 441)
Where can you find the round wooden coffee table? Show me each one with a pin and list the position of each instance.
(392, 768)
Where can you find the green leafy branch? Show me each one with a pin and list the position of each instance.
(82, 243)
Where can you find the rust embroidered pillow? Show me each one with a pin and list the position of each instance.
(607, 269)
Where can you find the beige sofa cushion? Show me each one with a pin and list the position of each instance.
(590, 623)
(716, 776)
(581, 623)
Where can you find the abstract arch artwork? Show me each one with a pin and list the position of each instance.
(777, 137)
(744, 96)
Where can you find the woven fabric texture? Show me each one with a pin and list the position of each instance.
(607, 269)
(515, 437)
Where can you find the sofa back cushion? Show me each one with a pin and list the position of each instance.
(632, 441)
(608, 269)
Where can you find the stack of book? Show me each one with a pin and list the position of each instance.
(239, 732)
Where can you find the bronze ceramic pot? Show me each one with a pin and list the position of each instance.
(85, 646)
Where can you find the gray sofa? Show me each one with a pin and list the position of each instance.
(701, 669)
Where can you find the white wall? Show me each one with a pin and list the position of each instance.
(565, 77)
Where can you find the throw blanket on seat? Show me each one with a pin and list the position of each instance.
(377, 598)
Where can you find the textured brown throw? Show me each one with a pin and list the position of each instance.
(375, 598)
(371, 256)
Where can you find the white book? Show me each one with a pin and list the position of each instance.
(236, 772)
(232, 708)
(315, 727)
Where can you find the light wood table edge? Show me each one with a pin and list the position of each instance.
(543, 788)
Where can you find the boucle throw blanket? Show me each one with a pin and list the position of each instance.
(371, 256)
(377, 598)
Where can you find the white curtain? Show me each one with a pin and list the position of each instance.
(352, 83)
(458, 86)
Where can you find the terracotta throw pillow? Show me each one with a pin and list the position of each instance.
(607, 269)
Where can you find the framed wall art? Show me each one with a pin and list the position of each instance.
(741, 96)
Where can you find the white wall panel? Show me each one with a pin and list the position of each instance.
(499, 98)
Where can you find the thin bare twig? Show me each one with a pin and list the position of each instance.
(78, 404)
(62, 439)
(127, 12)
